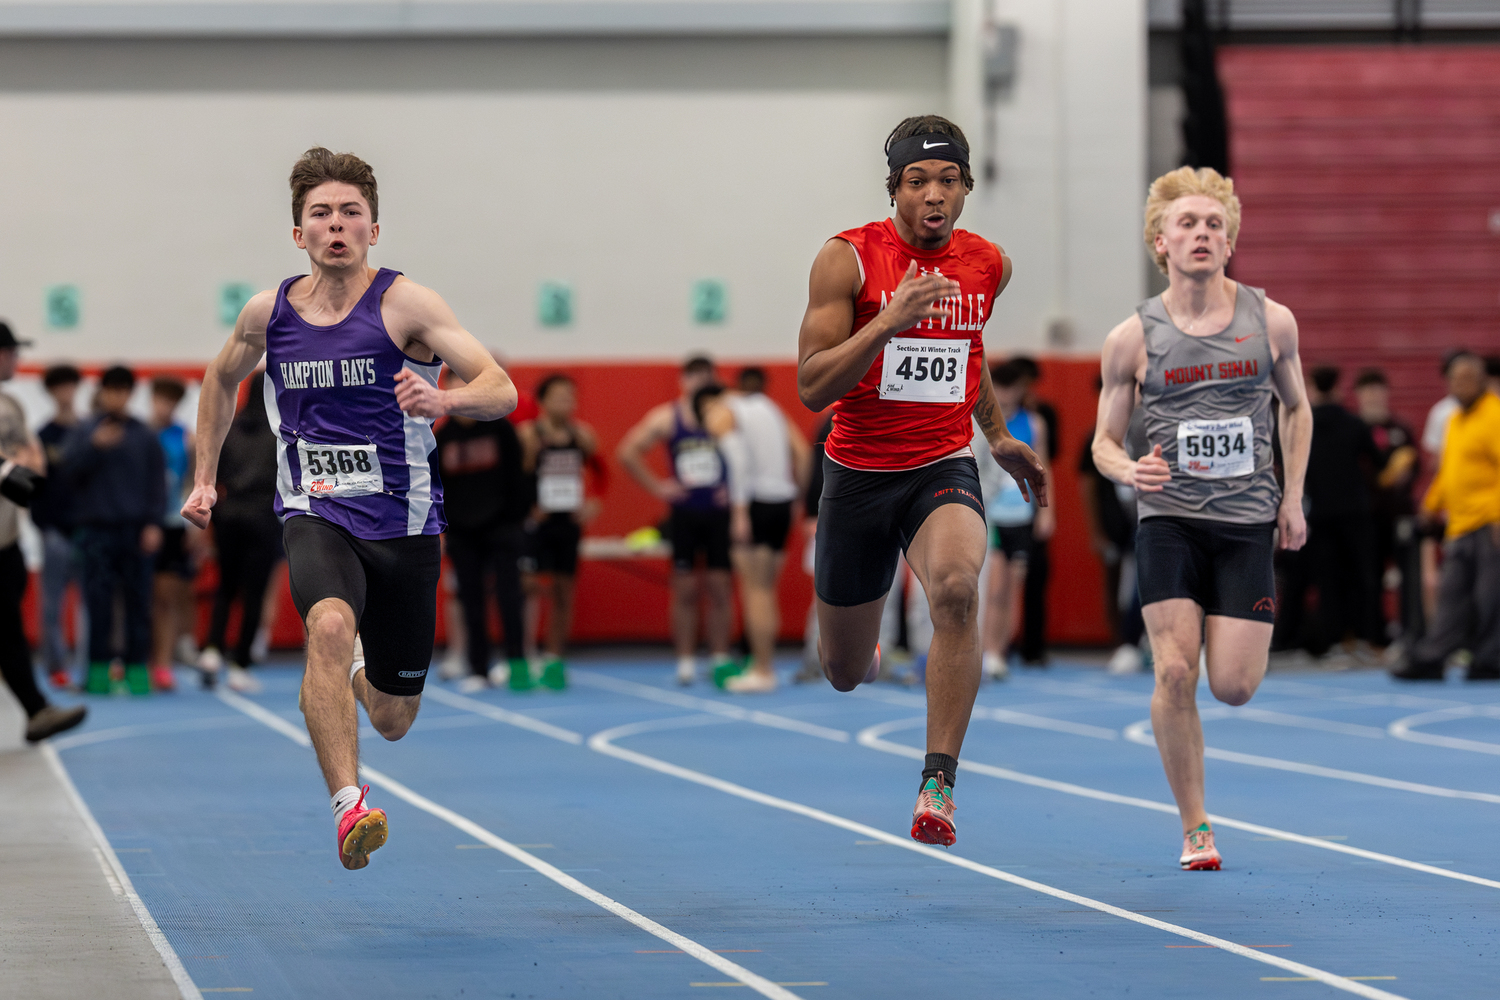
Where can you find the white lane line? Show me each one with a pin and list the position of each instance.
(501, 715)
(873, 737)
(1296, 721)
(757, 983)
(998, 715)
(120, 884)
(681, 700)
(1139, 732)
(603, 743)
(1405, 729)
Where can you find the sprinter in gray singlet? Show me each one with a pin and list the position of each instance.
(1209, 357)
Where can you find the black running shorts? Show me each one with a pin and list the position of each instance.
(554, 545)
(390, 584)
(770, 523)
(1226, 568)
(694, 531)
(866, 518)
(1013, 541)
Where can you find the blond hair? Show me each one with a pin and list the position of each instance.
(1180, 183)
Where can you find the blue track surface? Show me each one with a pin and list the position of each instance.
(223, 825)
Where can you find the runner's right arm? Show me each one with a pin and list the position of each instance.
(830, 359)
(1120, 368)
(221, 382)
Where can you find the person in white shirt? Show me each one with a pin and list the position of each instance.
(768, 463)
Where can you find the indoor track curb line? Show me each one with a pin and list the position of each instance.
(757, 983)
(873, 738)
(601, 742)
(681, 700)
(159, 941)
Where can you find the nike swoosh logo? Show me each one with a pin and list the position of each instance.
(932, 145)
(1247, 336)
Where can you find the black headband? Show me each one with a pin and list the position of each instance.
(928, 146)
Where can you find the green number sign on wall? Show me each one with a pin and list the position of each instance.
(554, 303)
(710, 301)
(64, 307)
(232, 298)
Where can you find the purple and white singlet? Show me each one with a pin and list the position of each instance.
(345, 451)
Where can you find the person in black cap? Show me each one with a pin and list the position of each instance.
(19, 449)
(115, 463)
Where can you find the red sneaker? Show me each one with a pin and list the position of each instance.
(361, 832)
(1198, 851)
(932, 819)
(162, 679)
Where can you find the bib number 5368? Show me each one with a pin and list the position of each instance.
(340, 470)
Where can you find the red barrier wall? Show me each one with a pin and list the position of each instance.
(627, 600)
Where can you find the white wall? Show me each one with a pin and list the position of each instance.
(150, 172)
(1067, 202)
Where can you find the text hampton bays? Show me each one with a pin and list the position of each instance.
(320, 374)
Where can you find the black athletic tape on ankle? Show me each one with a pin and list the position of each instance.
(928, 146)
(940, 764)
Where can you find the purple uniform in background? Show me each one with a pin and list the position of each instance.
(345, 451)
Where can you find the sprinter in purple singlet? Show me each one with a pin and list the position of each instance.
(352, 359)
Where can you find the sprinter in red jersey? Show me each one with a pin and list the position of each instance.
(892, 340)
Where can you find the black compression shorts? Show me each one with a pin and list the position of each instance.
(693, 531)
(1013, 541)
(866, 518)
(554, 545)
(173, 556)
(390, 584)
(1226, 568)
(770, 523)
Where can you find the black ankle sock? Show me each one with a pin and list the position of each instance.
(940, 765)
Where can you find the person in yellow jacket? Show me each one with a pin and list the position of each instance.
(1467, 489)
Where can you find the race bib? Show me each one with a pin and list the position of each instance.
(339, 470)
(698, 467)
(925, 371)
(1216, 449)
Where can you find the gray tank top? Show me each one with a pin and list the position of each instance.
(1207, 402)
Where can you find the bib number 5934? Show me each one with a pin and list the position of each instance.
(1216, 449)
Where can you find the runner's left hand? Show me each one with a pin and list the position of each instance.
(419, 397)
(1024, 467)
(1292, 526)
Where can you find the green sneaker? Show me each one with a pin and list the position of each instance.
(137, 678)
(520, 675)
(727, 669)
(98, 679)
(555, 674)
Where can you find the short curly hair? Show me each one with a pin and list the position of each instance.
(1180, 183)
(319, 166)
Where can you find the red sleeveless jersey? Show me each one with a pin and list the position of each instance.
(901, 415)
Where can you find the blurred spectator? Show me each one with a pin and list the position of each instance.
(117, 468)
(1014, 522)
(1340, 559)
(1467, 490)
(487, 498)
(1433, 432)
(1109, 511)
(698, 493)
(559, 452)
(247, 537)
(812, 667)
(1492, 374)
(18, 445)
(1393, 505)
(52, 513)
(174, 610)
(1039, 558)
(1436, 427)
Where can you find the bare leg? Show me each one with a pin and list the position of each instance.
(1006, 578)
(685, 612)
(946, 556)
(164, 604)
(1237, 652)
(561, 624)
(846, 640)
(758, 568)
(720, 610)
(327, 700)
(1175, 629)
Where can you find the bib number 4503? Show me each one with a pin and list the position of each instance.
(925, 370)
(918, 369)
